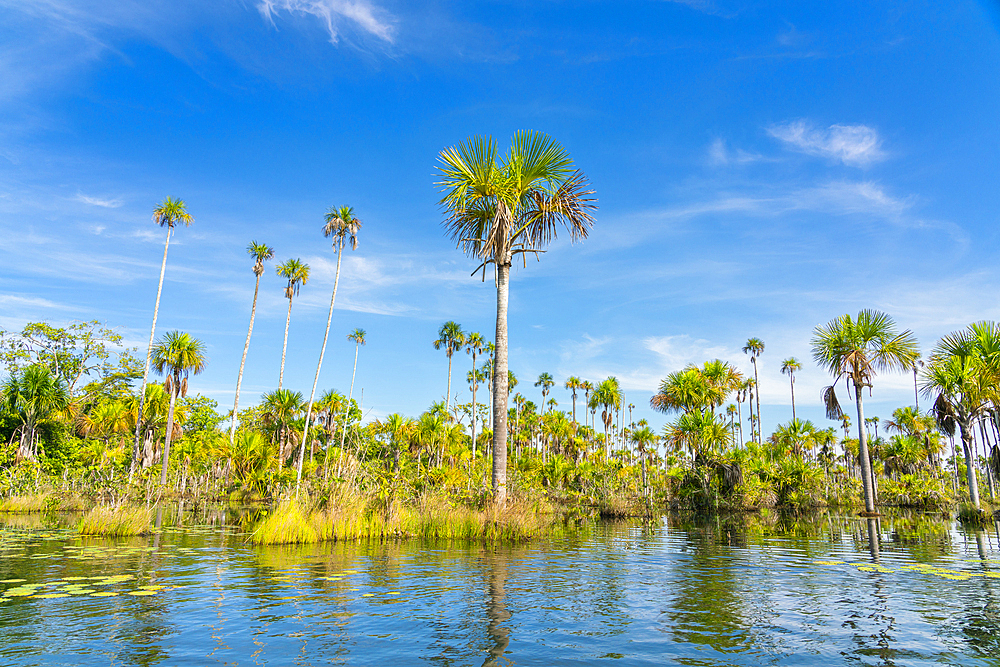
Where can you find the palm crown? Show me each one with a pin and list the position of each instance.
(297, 273)
(260, 253)
(171, 211)
(342, 226)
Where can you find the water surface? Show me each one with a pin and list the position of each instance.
(742, 591)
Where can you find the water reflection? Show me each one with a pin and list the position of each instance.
(496, 608)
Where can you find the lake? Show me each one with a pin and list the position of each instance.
(743, 590)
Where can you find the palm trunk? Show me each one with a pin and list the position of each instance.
(447, 396)
(739, 410)
(866, 468)
(243, 362)
(760, 436)
(500, 386)
(970, 463)
(284, 346)
(322, 351)
(347, 412)
(170, 430)
(475, 383)
(574, 407)
(792, 381)
(149, 352)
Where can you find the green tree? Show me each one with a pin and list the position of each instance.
(34, 396)
(474, 345)
(962, 377)
(297, 274)
(260, 254)
(167, 213)
(176, 356)
(574, 383)
(608, 396)
(281, 408)
(755, 347)
(343, 226)
(499, 207)
(788, 367)
(358, 337)
(546, 382)
(451, 338)
(857, 350)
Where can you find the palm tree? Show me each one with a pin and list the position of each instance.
(964, 372)
(167, 214)
(451, 338)
(358, 336)
(608, 396)
(755, 347)
(176, 356)
(856, 350)
(343, 227)
(474, 345)
(788, 367)
(34, 396)
(260, 253)
(498, 207)
(546, 382)
(587, 387)
(281, 408)
(917, 365)
(573, 383)
(297, 274)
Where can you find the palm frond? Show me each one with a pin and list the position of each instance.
(829, 397)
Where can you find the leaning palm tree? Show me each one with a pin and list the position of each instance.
(451, 338)
(788, 367)
(167, 214)
(755, 347)
(358, 337)
(501, 206)
(573, 383)
(343, 227)
(546, 382)
(474, 345)
(856, 350)
(297, 274)
(260, 253)
(962, 376)
(176, 356)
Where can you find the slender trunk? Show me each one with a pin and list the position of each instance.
(500, 386)
(284, 346)
(970, 463)
(475, 383)
(350, 396)
(866, 468)
(739, 411)
(916, 395)
(149, 352)
(447, 397)
(574, 406)
(760, 436)
(792, 380)
(170, 431)
(322, 351)
(986, 453)
(243, 362)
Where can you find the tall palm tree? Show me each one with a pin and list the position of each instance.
(474, 345)
(297, 274)
(755, 347)
(546, 382)
(573, 383)
(501, 206)
(608, 396)
(358, 336)
(856, 350)
(167, 214)
(341, 224)
(260, 253)
(587, 387)
(964, 373)
(34, 396)
(788, 367)
(451, 338)
(176, 356)
(917, 365)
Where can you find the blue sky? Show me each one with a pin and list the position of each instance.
(762, 167)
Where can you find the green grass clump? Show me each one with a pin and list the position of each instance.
(24, 504)
(120, 521)
(353, 519)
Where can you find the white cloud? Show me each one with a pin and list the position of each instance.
(719, 154)
(96, 201)
(856, 145)
(330, 12)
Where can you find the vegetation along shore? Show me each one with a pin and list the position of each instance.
(90, 426)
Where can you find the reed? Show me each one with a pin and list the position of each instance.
(120, 521)
(24, 504)
(430, 517)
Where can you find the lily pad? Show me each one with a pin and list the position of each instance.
(46, 596)
(141, 593)
(104, 594)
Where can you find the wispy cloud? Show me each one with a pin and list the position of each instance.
(96, 201)
(370, 18)
(855, 145)
(720, 154)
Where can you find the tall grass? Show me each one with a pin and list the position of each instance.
(46, 501)
(120, 521)
(292, 522)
